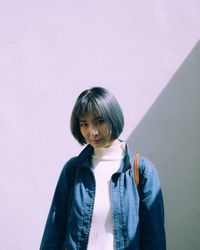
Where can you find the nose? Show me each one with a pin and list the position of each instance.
(93, 131)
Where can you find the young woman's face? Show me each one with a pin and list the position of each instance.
(95, 130)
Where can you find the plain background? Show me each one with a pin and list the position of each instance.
(146, 53)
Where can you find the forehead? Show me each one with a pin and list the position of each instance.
(90, 116)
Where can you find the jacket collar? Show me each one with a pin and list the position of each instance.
(126, 163)
(84, 158)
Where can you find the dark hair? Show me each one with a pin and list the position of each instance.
(100, 101)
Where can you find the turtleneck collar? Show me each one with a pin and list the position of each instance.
(112, 153)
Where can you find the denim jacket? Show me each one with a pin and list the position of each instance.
(138, 214)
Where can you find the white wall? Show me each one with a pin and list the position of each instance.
(52, 50)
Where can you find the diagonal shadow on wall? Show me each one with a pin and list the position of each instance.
(169, 135)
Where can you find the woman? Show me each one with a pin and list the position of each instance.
(96, 204)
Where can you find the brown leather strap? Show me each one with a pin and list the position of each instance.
(136, 170)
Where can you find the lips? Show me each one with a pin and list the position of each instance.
(96, 140)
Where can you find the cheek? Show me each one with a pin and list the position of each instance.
(106, 130)
(82, 132)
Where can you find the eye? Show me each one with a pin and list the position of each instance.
(100, 121)
(83, 124)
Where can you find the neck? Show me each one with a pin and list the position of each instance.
(115, 142)
(114, 152)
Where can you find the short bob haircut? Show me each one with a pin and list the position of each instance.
(97, 101)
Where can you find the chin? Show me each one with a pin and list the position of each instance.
(97, 146)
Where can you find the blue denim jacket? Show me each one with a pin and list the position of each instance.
(138, 214)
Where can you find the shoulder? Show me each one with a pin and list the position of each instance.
(69, 165)
(146, 165)
(148, 172)
(82, 159)
(67, 173)
(68, 170)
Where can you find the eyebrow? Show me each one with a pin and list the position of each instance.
(96, 118)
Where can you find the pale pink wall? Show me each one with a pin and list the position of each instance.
(49, 52)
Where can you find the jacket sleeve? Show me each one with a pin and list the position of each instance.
(55, 229)
(152, 231)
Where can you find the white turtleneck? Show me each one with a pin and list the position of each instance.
(106, 161)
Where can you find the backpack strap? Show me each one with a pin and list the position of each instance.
(136, 170)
